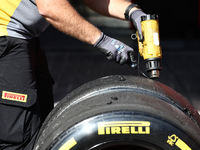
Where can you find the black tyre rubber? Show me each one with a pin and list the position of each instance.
(121, 113)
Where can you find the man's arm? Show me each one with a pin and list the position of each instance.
(110, 8)
(63, 16)
(116, 9)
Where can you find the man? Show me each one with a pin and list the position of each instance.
(25, 82)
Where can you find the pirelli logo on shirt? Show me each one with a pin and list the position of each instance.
(14, 96)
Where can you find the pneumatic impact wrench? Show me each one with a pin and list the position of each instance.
(149, 46)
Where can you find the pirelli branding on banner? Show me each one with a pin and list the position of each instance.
(14, 96)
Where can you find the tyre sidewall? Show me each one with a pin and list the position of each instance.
(123, 126)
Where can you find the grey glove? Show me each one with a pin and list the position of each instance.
(113, 49)
(135, 18)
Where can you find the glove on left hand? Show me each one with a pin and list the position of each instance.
(113, 49)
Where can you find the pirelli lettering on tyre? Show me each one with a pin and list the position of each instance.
(124, 127)
(14, 96)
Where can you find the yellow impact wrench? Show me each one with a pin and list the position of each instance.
(149, 47)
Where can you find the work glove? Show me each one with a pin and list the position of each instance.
(113, 49)
(135, 18)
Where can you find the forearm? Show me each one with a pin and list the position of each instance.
(62, 16)
(110, 8)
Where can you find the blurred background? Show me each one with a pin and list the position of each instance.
(73, 63)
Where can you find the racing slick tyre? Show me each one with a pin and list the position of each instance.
(121, 113)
